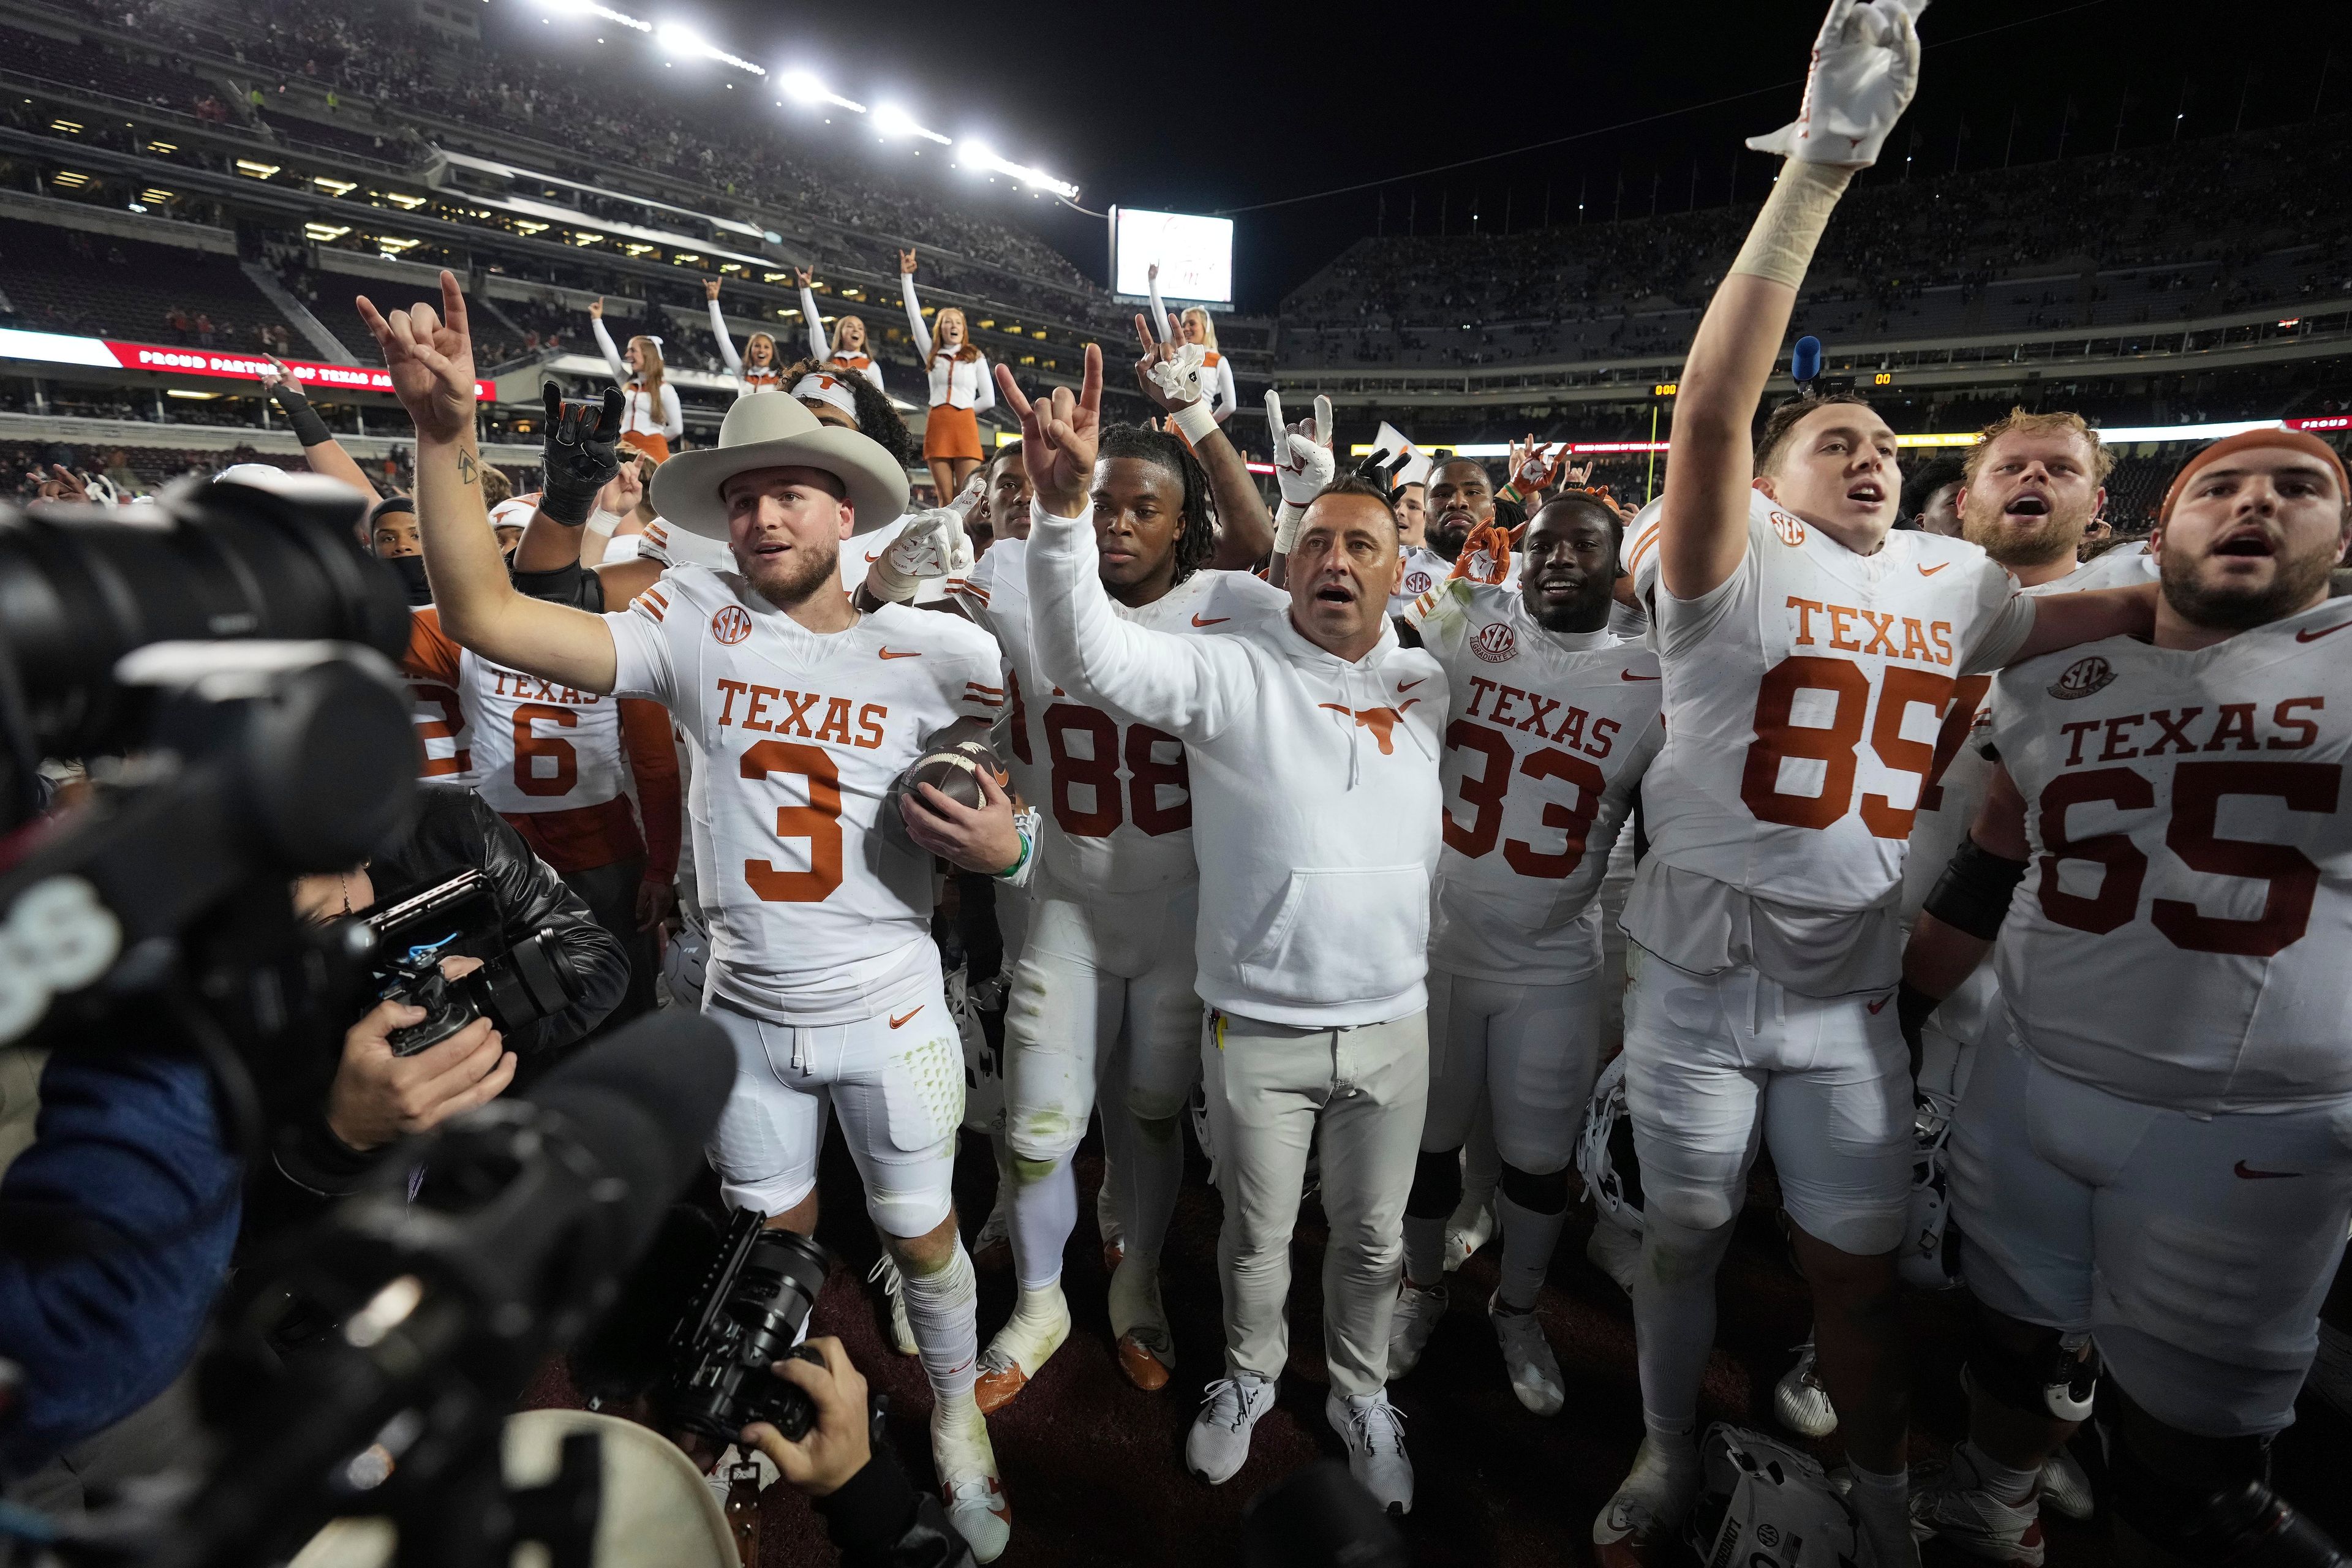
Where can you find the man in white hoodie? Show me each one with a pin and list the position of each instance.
(1313, 737)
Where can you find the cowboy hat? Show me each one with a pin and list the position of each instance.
(773, 430)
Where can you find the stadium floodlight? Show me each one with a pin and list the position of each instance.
(975, 154)
(892, 120)
(680, 39)
(590, 9)
(803, 87)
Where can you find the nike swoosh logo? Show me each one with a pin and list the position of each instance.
(873, 556)
(904, 1016)
(1405, 686)
(1212, 621)
(1880, 1005)
(1629, 675)
(1931, 571)
(2310, 636)
(2248, 1173)
(887, 653)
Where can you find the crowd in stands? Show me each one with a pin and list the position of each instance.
(1931, 257)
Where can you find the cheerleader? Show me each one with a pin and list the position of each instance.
(757, 369)
(960, 388)
(1215, 373)
(651, 417)
(848, 350)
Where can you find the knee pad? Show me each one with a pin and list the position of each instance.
(1150, 1105)
(2059, 1376)
(1546, 1193)
(1436, 1185)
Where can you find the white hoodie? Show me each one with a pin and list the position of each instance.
(1313, 780)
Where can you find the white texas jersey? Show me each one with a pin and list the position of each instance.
(2179, 938)
(540, 746)
(816, 917)
(1546, 737)
(1424, 569)
(1803, 696)
(1955, 785)
(1116, 795)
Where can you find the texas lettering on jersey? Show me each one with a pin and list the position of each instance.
(778, 711)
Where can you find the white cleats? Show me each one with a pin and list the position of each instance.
(966, 1462)
(1800, 1401)
(1018, 1350)
(885, 1272)
(1647, 1512)
(1950, 1503)
(1218, 1445)
(1139, 1325)
(1374, 1433)
(1615, 1251)
(1526, 1357)
(1418, 1314)
(2064, 1486)
(1466, 1232)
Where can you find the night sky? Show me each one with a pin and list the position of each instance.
(1249, 104)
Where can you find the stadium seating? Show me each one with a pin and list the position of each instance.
(70, 280)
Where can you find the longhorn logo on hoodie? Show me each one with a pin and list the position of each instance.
(1380, 721)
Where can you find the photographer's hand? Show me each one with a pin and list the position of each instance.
(837, 1446)
(377, 1097)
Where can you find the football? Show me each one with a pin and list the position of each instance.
(953, 771)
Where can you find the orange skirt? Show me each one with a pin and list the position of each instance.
(655, 447)
(951, 432)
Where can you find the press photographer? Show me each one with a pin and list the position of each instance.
(388, 1082)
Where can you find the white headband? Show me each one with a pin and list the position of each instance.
(818, 388)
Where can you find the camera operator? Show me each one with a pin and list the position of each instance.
(326, 1140)
(874, 1514)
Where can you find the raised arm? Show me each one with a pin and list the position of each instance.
(1186, 686)
(1151, 288)
(612, 360)
(1866, 68)
(431, 362)
(812, 319)
(718, 329)
(1172, 380)
(319, 448)
(585, 490)
(914, 307)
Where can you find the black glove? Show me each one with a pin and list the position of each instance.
(308, 428)
(577, 457)
(1912, 1008)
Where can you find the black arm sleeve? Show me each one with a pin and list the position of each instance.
(308, 428)
(878, 1519)
(572, 585)
(456, 830)
(1973, 893)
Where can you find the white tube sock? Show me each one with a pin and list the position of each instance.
(1045, 1212)
(943, 1311)
(1673, 1314)
(1529, 1240)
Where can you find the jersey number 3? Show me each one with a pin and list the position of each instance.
(819, 822)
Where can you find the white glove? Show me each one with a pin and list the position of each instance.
(1303, 464)
(1442, 606)
(932, 544)
(970, 496)
(1865, 68)
(1179, 376)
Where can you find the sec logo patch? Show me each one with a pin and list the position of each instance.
(2082, 677)
(1495, 643)
(732, 625)
(1416, 584)
(1791, 532)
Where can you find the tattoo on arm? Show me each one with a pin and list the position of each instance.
(468, 470)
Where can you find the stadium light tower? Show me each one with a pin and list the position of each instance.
(803, 87)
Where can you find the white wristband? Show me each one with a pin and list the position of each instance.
(602, 522)
(1287, 519)
(1195, 420)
